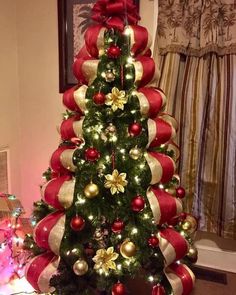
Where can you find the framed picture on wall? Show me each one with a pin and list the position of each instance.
(73, 20)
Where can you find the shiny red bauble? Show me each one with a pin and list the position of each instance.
(99, 98)
(92, 154)
(114, 51)
(138, 204)
(135, 129)
(180, 192)
(158, 290)
(77, 223)
(153, 242)
(118, 289)
(117, 226)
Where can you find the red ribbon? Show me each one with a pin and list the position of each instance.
(115, 14)
(184, 274)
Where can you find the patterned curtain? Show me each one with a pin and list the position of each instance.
(196, 41)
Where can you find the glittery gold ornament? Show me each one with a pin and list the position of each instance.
(127, 249)
(80, 267)
(91, 190)
(104, 259)
(109, 76)
(135, 153)
(186, 226)
(193, 254)
(116, 99)
(116, 182)
(194, 223)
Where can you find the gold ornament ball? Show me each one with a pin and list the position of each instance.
(193, 252)
(91, 190)
(127, 249)
(193, 221)
(186, 226)
(80, 267)
(135, 153)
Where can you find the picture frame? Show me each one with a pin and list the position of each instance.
(73, 20)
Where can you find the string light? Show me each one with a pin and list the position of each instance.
(134, 231)
(91, 217)
(151, 279)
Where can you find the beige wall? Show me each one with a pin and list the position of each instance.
(40, 102)
(9, 90)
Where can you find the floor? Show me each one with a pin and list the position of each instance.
(206, 287)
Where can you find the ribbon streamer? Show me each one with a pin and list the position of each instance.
(75, 99)
(72, 127)
(49, 232)
(62, 160)
(160, 132)
(59, 192)
(140, 39)
(162, 167)
(181, 278)
(172, 245)
(40, 270)
(115, 14)
(163, 205)
(151, 101)
(85, 69)
(94, 40)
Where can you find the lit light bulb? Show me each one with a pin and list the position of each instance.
(151, 278)
(119, 266)
(80, 200)
(146, 216)
(90, 217)
(161, 186)
(134, 231)
(128, 76)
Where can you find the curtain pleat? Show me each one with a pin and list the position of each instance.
(202, 98)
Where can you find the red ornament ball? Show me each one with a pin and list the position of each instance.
(138, 204)
(180, 192)
(135, 129)
(99, 98)
(117, 226)
(118, 289)
(77, 223)
(113, 51)
(158, 290)
(153, 242)
(92, 154)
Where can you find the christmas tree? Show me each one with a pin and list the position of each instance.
(111, 208)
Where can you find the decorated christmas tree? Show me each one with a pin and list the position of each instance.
(111, 208)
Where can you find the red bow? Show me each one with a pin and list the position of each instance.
(115, 14)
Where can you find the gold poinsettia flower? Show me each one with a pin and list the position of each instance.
(104, 259)
(116, 182)
(116, 99)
